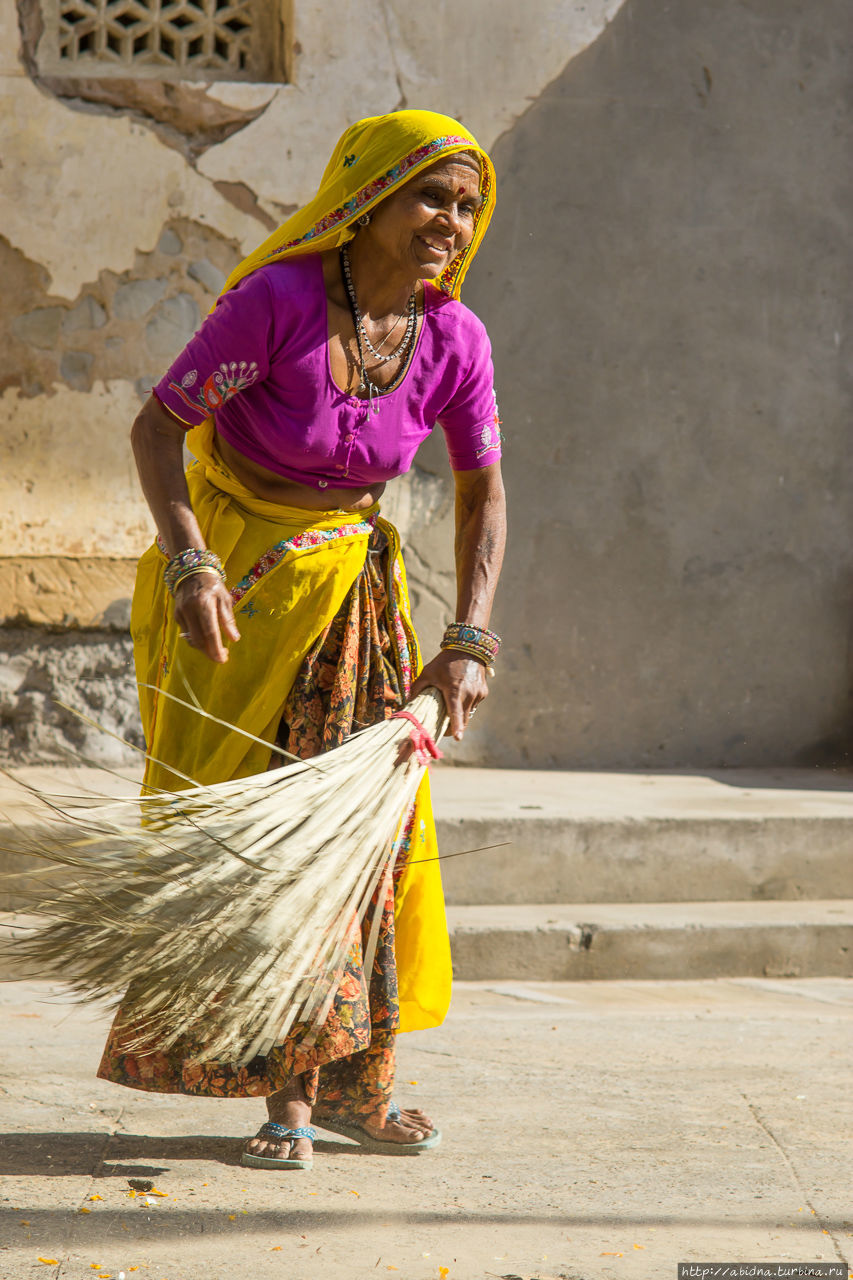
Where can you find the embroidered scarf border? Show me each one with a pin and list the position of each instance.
(367, 195)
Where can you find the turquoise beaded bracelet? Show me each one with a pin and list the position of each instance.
(476, 641)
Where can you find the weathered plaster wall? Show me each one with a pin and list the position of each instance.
(664, 282)
(667, 284)
(112, 178)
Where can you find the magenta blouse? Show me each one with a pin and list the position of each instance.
(260, 365)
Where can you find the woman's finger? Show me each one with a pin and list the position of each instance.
(205, 627)
(226, 615)
(457, 713)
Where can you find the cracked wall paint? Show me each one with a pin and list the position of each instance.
(120, 326)
(483, 62)
(104, 183)
(83, 192)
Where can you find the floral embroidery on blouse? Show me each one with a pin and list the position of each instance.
(491, 434)
(222, 384)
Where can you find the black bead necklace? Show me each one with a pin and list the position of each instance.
(402, 349)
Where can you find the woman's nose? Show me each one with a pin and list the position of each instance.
(453, 219)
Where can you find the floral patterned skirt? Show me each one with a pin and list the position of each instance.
(348, 680)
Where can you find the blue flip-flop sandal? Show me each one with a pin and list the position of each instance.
(278, 1133)
(369, 1143)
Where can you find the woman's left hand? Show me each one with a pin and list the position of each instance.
(463, 684)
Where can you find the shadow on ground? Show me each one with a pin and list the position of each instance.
(103, 1155)
(169, 1221)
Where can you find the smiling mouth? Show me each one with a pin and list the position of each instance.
(436, 246)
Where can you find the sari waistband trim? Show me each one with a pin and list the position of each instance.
(274, 555)
(308, 538)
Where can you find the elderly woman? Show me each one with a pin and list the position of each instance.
(275, 593)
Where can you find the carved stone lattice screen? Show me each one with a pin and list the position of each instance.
(182, 40)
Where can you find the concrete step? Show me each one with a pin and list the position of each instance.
(542, 942)
(676, 837)
(732, 835)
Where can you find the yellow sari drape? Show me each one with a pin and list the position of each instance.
(289, 570)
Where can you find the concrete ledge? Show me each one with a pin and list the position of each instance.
(541, 942)
(591, 837)
(68, 591)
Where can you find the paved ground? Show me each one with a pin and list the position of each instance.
(592, 1130)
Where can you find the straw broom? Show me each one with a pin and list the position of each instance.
(228, 910)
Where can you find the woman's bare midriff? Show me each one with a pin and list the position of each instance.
(274, 488)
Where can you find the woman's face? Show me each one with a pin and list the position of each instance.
(428, 222)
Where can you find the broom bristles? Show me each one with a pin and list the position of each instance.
(228, 910)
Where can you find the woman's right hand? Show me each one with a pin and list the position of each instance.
(205, 615)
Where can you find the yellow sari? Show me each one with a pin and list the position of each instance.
(290, 569)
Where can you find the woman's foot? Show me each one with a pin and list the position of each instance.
(405, 1126)
(401, 1127)
(290, 1108)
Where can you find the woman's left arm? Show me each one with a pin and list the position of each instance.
(480, 541)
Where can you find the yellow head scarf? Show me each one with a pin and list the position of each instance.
(373, 158)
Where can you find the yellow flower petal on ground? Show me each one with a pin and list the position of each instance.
(232, 1217)
(609, 1254)
(639, 1246)
(83, 1209)
(24, 1222)
(96, 1197)
(443, 1271)
(355, 1193)
(50, 1262)
(413, 1082)
(276, 1248)
(155, 1192)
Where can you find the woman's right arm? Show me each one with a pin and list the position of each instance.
(203, 608)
